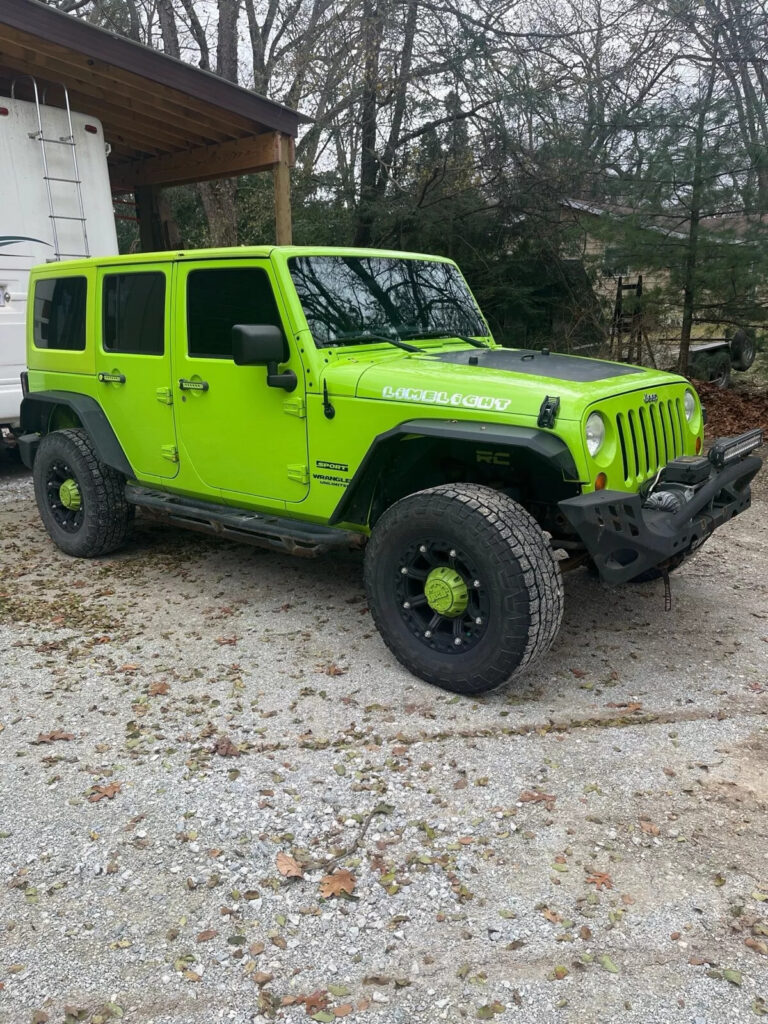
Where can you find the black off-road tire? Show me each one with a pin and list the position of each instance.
(742, 350)
(520, 591)
(102, 520)
(720, 369)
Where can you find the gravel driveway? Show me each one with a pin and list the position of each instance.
(588, 844)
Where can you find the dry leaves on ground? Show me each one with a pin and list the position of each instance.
(600, 880)
(158, 689)
(288, 866)
(109, 791)
(52, 737)
(529, 796)
(341, 881)
(224, 747)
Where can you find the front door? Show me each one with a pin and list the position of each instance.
(133, 365)
(241, 436)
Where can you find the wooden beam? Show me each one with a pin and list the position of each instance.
(116, 96)
(39, 22)
(204, 163)
(281, 173)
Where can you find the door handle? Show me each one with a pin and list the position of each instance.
(193, 385)
(111, 378)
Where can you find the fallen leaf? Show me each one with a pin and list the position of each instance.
(489, 1011)
(649, 828)
(315, 1001)
(733, 976)
(531, 797)
(52, 737)
(343, 1010)
(224, 747)
(256, 949)
(336, 883)
(585, 933)
(40, 1017)
(158, 689)
(600, 880)
(100, 792)
(288, 866)
(207, 935)
(226, 641)
(551, 915)
(261, 977)
(334, 670)
(607, 964)
(759, 947)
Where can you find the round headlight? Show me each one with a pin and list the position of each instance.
(689, 404)
(594, 432)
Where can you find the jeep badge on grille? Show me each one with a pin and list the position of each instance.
(650, 397)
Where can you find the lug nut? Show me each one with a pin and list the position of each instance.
(478, 621)
(427, 633)
(457, 641)
(406, 604)
(423, 548)
(404, 570)
(452, 553)
(476, 584)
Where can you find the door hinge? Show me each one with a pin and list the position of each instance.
(295, 407)
(170, 452)
(164, 395)
(298, 472)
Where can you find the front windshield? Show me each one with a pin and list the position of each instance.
(347, 297)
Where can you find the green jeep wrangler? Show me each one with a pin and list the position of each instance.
(310, 399)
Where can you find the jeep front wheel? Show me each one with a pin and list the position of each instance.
(81, 501)
(463, 586)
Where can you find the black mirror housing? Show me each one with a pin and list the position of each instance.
(258, 345)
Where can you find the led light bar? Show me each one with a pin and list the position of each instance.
(730, 449)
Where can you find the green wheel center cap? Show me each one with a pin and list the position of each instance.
(69, 495)
(446, 592)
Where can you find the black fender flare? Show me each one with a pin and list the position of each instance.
(356, 500)
(36, 411)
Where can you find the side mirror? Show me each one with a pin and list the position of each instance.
(263, 345)
(258, 345)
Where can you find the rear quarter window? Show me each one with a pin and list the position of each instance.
(59, 313)
(133, 313)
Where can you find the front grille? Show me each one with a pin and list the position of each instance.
(649, 436)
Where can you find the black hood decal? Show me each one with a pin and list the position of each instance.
(539, 364)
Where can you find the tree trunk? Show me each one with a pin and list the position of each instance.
(689, 281)
(369, 162)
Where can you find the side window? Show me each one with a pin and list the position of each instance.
(59, 315)
(133, 313)
(218, 299)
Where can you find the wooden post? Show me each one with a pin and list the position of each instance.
(281, 173)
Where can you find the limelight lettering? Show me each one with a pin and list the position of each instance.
(456, 400)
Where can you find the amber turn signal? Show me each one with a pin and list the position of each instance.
(600, 481)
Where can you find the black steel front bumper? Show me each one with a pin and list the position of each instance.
(624, 539)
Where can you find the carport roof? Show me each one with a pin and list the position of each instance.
(167, 122)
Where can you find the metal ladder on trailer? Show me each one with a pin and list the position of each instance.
(48, 178)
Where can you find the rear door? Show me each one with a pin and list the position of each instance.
(133, 364)
(240, 435)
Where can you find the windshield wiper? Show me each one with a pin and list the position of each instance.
(441, 332)
(363, 336)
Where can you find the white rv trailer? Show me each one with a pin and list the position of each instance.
(55, 204)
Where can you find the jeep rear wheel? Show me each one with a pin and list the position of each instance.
(463, 586)
(81, 501)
